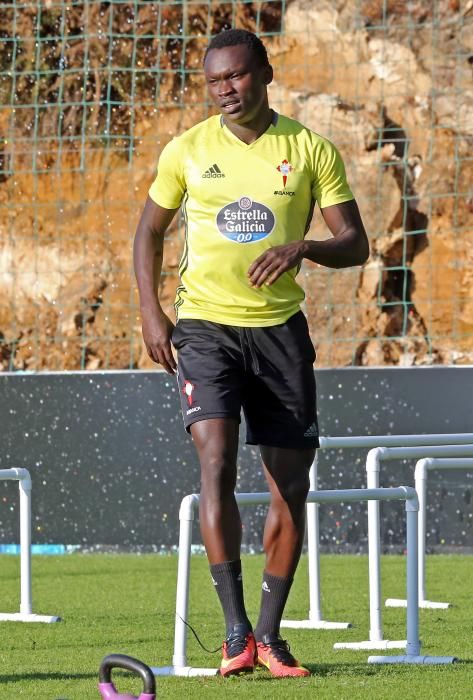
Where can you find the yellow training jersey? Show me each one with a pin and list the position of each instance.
(238, 200)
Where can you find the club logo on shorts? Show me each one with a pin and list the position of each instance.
(245, 221)
(187, 390)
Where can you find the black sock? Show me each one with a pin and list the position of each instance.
(275, 591)
(228, 583)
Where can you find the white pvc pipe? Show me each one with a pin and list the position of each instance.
(315, 620)
(370, 441)
(420, 474)
(412, 655)
(373, 461)
(313, 545)
(24, 485)
(413, 643)
(26, 604)
(186, 518)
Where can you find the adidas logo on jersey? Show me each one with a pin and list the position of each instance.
(311, 431)
(213, 171)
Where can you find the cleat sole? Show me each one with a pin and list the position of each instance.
(236, 671)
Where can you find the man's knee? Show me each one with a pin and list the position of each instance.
(218, 474)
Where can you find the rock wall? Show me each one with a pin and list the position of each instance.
(389, 83)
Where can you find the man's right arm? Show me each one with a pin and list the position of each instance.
(147, 259)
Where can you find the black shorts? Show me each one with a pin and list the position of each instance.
(266, 371)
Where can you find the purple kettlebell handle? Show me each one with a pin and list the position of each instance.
(109, 692)
(107, 688)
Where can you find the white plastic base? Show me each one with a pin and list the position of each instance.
(400, 603)
(315, 624)
(381, 644)
(28, 617)
(411, 659)
(186, 671)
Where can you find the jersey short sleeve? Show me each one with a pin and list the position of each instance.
(169, 185)
(330, 182)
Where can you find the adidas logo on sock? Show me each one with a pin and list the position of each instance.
(265, 587)
(213, 171)
(311, 431)
(239, 577)
(214, 581)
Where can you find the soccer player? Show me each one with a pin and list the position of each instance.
(247, 180)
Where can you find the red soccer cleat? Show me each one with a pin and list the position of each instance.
(275, 655)
(238, 654)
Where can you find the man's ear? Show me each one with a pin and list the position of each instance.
(268, 75)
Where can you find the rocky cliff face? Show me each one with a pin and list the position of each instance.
(389, 83)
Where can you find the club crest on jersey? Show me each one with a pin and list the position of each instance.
(245, 221)
(285, 168)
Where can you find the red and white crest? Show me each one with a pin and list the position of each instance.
(187, 390)
(285, 168)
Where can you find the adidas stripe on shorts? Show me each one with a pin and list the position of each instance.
(267, 372)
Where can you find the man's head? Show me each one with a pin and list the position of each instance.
(237, 70)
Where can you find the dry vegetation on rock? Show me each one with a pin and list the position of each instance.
(389, 83)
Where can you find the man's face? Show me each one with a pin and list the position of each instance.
(236, 82)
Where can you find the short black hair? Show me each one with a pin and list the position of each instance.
(238, 37)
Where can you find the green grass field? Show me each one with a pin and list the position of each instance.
(125, 603)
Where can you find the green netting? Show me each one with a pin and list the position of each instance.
(91, 92)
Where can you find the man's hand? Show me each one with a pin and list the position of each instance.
(157, 330)
(274, 262)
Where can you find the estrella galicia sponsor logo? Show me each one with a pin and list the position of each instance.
(245, 221)
(213, 171)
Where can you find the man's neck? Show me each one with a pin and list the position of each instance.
(252, 130)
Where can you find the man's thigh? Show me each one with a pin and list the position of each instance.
(209, 371)
(280, 401)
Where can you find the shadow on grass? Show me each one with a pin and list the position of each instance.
(12, 678)
(341, 668)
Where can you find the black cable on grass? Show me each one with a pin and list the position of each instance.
(209, 651)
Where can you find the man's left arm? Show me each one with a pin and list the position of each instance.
(349, 246)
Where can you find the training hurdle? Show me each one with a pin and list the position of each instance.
(186, 517)
(315, 619)
(423, 466)
(26, 606)
(373, 465)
